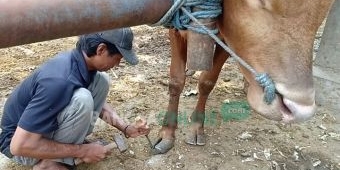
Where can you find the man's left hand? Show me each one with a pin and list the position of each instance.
(137, 128)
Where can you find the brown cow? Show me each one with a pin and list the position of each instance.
(273, 36)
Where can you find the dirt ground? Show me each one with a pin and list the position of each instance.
(142, 90)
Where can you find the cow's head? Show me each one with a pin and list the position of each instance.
(276, 37)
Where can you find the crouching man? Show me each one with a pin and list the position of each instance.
(47, 117)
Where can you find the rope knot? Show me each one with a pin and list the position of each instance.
(177, 18)
(268, 86)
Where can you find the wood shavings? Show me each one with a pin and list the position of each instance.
(245, 135)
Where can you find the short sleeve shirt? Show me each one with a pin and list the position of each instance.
(35, 104)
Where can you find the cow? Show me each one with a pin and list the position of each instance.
(274, 37)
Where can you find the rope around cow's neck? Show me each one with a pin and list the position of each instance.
(204, 9)
(172, 17)
(262, 78)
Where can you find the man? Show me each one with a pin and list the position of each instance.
(48, 116)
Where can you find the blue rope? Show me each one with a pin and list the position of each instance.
(170, 14)
(263, 79)
(175, 17)
(268, 86)
(203, 9)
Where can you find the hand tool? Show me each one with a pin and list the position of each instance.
(118, 143)
(139, 120)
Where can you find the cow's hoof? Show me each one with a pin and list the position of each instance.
(163, 146)
(194, 138)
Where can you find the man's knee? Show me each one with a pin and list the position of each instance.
(104, 78)
(82, 101)
(75, 119)
(101, 82)
(80, 107)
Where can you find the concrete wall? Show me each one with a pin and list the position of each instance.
(327, 64)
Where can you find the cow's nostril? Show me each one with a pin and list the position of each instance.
(299, 112)
(284, 106)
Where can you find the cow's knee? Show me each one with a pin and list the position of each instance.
(205, 87)
(175, 87)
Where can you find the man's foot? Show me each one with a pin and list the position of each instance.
(46, 164)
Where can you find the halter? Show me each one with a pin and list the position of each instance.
(211, 9)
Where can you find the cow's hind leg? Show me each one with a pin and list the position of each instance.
(176, 85)
(206, 83)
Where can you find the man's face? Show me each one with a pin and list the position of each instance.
(103, 61)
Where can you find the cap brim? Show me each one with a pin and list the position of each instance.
(129, 56)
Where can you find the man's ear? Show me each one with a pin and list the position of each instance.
(101, 49)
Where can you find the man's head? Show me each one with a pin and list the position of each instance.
(106, 48)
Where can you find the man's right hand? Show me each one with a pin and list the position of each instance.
(28, 144)
(94, 152)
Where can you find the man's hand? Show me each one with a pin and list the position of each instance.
(139, 127)
(94, 152)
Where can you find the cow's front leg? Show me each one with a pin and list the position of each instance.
(176, 85)
(167, 132)
(206, 83)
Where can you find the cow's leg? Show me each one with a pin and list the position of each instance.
(176, 84)
(206, 83)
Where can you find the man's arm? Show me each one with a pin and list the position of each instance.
(110, 116)
(34, 145)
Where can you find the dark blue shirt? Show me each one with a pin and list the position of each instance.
(34, 105)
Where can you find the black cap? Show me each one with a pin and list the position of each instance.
(122, 38)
